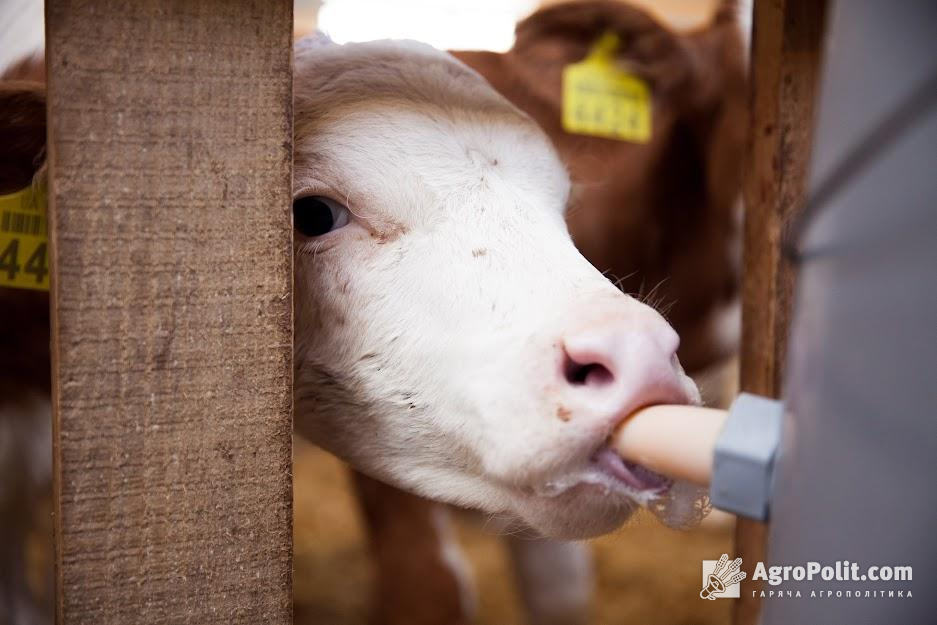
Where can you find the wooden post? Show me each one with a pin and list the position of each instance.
(786, 52)
(170, 158)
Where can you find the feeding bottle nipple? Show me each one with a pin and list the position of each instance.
(731, 452)
(677, 441)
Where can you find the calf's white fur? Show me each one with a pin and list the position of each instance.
(430, 329)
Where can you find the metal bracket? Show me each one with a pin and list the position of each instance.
(744, 456)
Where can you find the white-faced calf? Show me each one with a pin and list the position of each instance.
(450, 339)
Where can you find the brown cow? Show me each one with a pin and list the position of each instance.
(25, 414)
(660, 215)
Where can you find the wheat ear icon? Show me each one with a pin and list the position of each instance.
(722, 577)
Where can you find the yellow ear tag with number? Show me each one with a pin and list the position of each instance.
(601, 99)
(24, 240)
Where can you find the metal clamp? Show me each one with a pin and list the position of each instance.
(744, 456)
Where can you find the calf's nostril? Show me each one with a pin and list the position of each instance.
(586, 374)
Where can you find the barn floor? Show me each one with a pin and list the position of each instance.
(646, 573)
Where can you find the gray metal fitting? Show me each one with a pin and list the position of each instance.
(744, 457)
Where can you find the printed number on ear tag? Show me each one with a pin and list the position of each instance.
(602, 100)
(24, 242)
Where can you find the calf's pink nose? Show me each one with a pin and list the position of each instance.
(618, 366)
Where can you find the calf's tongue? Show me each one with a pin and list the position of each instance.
(676, 503)
(677, 441)
(630, 473)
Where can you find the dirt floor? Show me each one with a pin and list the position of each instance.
(646, 573)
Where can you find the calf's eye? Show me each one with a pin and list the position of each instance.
(315, 215)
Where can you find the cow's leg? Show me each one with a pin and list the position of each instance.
(554, 579)
(25, 483)
(421, 578)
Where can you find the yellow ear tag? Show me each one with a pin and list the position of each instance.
(602, 100)
(24, 240)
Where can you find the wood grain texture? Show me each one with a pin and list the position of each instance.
(786, 53)
(170, 152)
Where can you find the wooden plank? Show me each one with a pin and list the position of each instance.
(170, 153)
(786, 49)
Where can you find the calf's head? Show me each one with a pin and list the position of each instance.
(450, 339)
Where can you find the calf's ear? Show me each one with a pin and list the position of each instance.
(565, 33)
(580, 24)
(22, 133)
(684, 69)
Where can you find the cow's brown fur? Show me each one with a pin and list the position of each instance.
(24, 315)
(414, 583)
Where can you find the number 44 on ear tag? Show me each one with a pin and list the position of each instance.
(24, 242)
(601, 99)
